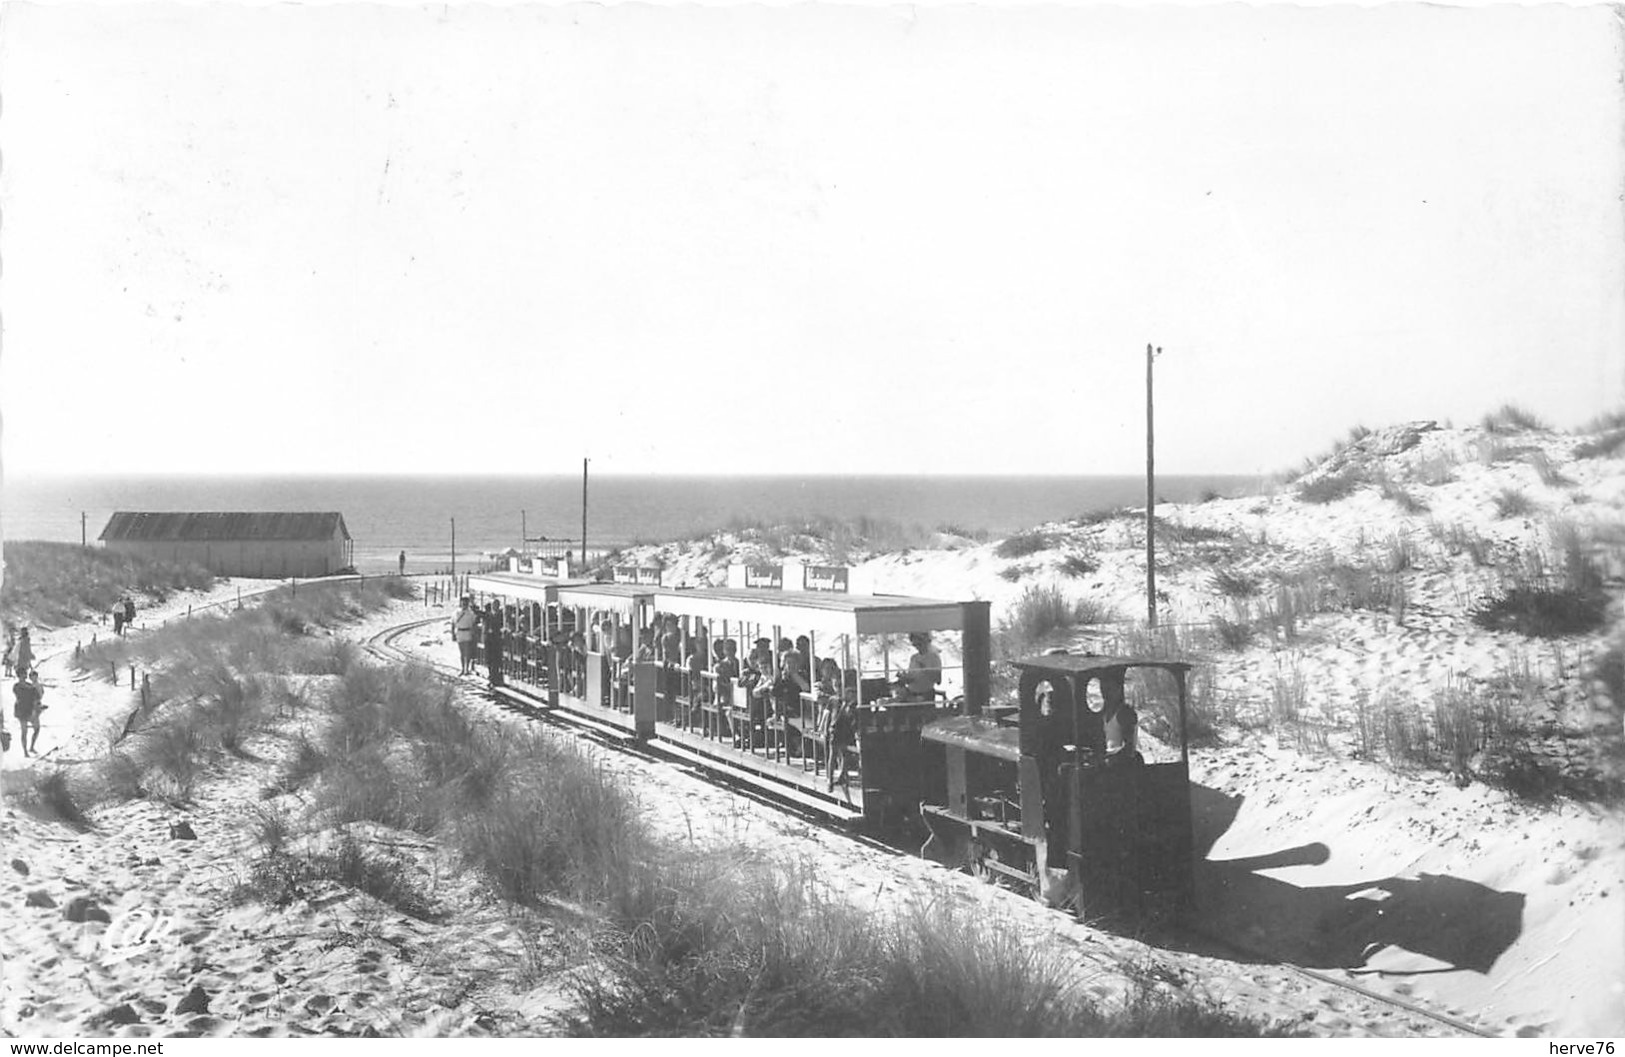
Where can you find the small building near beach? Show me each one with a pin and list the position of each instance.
(276, 544)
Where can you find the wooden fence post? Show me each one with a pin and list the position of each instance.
(146, 690)
(132, 677)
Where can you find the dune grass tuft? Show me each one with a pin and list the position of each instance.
(58, 583)
(1513, 502)
(1510, 418)
(1604, 445)
(1023, 544)
(1044, 609)
(1331, 487)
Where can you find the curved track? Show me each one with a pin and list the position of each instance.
(382, 645)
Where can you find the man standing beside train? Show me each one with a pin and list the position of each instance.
(493, 632)
(462, 629)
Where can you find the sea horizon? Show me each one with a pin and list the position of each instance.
(389, 513)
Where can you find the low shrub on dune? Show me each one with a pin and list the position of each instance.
(1080, 563)
(1023, 544)
(52, 796)
(1510, 418)
(1232, 583)
(1044, 609)
(1604, 445)
(1330, 488)
(1550, 596)
(1407, 501)
(1542, 611)
(1511, 502)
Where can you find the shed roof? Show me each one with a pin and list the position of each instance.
(223, 527)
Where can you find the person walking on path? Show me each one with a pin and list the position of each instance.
(26, 708)
(129, 612)
(39, 706)
(118, 620)
(462, 630)
(402, 561)
(11, 646)
(25, 653)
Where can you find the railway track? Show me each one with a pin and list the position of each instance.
(383, 645)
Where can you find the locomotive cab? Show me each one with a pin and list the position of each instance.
(1065, 798)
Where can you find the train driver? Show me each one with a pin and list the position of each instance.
(1122, 723)
(924, 673)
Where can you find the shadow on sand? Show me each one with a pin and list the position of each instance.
(1461, 924)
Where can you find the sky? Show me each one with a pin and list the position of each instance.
(916, 240)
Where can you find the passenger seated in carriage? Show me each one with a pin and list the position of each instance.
(576, 663)
(828, 690)
(671, 642)
(788, 686)
(726, 670)
(694, 670)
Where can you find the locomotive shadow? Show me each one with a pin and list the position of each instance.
(1460, 925)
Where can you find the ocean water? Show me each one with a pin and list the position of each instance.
(386, 515)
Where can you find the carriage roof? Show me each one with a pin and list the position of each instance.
(818, 612)
(622, 598)
(519, 585)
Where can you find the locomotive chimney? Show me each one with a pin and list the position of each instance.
(977, 648)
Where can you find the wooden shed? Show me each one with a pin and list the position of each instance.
(237, 544)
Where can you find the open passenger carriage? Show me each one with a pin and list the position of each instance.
(533, 624)
(607, 683)
(830, 679)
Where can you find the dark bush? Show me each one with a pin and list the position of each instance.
(1179, 532)
(1330, 488)
(1235, 634)
(1079, 563)
(1601, 446)
(1512, 419)
(1510, 502)
(1234, 584)
(1545, 612)
(1024, 543)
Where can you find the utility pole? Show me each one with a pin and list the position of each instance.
(1150, 497)
(454, 548)
(583, 514)
(83, 517)
(524, 545)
